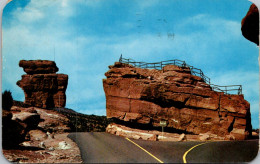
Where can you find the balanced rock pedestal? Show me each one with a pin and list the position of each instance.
(185, 101)
(42, 87)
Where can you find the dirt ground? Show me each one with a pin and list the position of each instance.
(58, 149)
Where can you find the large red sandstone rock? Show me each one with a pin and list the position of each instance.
(147, 96)
(38, 66)
(42, 86)
(250, 24)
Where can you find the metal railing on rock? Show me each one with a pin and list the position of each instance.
(194, 71)
(230, 89)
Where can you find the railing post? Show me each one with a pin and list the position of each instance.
(184, 64)
(120, 59)
(194, 71)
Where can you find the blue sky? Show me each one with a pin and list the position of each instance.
(85, 36)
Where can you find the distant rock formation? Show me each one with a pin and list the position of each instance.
(250, 25)
(42, 87)
(186, 102)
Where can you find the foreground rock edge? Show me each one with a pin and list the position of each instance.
(155, 135)
(46, 138)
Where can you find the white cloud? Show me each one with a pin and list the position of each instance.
(64, 3)
(219, 29)
(66, 8)
(249, 80)
(30, 15)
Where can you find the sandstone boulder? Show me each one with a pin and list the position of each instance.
(64, 145)
(37, 135)
(42, 87)
(13, 132)
(182, 137)
(186, 101)
(17, 124)
(38, 66)
(53, 121)
(155, 135)
(250, 24)
(27, 119)
(204, 137)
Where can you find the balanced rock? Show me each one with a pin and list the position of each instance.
(38, 66)
(185, 101)
(250, 24)
(42, 86)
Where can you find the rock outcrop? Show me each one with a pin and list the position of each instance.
(36, 135)
(38, 67)
(250, 25)
(17, 124)
(42, 87)
(45, 120)
(186, 102)
(155, 135)
(15, 127)
(13, 131)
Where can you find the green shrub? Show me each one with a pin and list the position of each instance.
(7, 100)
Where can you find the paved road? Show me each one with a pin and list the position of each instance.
(99, 147)
(225, 151)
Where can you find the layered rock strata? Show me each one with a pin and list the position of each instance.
(185, 101)
(42, 87)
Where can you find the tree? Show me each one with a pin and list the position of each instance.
(7, 100)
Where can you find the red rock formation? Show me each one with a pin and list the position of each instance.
(42, 86)
(250, 25)
(16, 125)
(38, 66)
(28, 133)
(146, 96)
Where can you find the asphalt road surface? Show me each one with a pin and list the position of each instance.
(100, 147)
